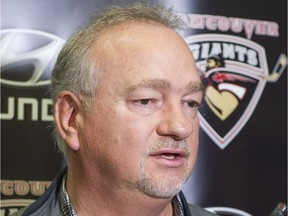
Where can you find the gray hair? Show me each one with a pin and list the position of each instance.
(76, 72)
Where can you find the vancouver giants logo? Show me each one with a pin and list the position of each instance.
(234, 72)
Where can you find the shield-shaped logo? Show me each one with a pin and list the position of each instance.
(234, 72)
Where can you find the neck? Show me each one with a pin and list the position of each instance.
(99, 197)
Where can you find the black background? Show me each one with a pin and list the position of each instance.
(249, 174)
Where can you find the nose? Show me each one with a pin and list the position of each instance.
(175, 124)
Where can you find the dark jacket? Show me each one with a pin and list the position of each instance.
(49, 205)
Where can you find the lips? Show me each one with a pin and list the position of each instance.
(169, 153)
(170, 157)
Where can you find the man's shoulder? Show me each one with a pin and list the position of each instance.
(48, 203)
(197, 211)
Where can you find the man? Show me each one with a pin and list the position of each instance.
(126, 94)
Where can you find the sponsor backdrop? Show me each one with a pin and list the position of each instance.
(240, 50)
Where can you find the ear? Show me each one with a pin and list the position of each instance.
(66, 109)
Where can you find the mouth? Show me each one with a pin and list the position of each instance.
(170, 153)
(170, 158)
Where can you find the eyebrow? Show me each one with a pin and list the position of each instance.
(152, 84)
(161, 84)
(194, 87)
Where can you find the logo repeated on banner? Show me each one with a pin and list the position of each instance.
(21, 189)
(27, 57)
(27, 49)
(234, 71)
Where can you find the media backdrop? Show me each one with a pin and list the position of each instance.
(242, 162)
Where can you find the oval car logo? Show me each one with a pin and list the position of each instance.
(27, 57)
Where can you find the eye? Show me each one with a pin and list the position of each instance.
(145, 106)
(193, 104)
(144, 101)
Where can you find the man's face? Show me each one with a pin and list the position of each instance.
(143, 134)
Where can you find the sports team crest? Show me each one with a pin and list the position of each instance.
(234, 72)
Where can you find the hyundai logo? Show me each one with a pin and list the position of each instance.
(27, 57)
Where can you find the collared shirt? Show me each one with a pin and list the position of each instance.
(56, 202)
(65, 203)
(68, 209)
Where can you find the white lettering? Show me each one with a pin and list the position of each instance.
(236, 25)
(252, 57)
(195, 50)
(223, 23)
(34, 108)
(205, 50)
(45, 116)
(241, 51)
(273, 29)
(261, 28)
(211, 23)
(216, 49)
(22, 188)
(22, 104)
(10, 111)
(37, 188)
(228, 51)
(249, 26)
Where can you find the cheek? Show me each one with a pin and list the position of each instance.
(193, 141)
(116, 141)
(118, 138)
(134, 132)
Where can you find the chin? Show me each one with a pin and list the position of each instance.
(161, 188)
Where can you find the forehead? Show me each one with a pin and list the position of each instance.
(139, 51)
(132, 37)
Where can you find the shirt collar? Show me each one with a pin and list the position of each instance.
(178, 206)
(65, 203)
(68, 209)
